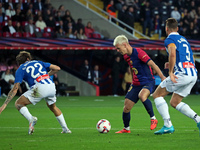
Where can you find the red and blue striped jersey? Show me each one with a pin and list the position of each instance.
(142, 73)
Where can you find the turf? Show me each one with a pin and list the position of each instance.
(82, 114)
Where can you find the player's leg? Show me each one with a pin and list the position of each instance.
(143, 96)
(163, 109)
(20, 104)
(59, 116)
(128, 104)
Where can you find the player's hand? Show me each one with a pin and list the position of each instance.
(163, 78)
(2, 108)
(173, 77)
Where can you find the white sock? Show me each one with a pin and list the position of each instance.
(25, 112)
(163, 109)
(154, 117)
(62, 122)
(127, 128)
(186, 110)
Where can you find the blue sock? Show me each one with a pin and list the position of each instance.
(126, 119)
(148, 105)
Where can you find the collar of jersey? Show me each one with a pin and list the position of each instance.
(173, 33)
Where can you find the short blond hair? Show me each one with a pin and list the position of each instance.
(120, 39)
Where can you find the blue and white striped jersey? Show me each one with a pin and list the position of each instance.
(184, 56)
(33, 72)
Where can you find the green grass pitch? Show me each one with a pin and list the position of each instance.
(82, 114)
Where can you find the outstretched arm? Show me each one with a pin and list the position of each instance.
(11, 94)
(157, 69)
(53, 69)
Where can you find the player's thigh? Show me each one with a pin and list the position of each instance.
(160, 92)
(22, 101)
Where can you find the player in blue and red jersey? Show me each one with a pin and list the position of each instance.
(143, 81)
(37, 74)
(182, 77)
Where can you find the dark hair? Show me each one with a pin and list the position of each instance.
(171, 23)
(22, 57)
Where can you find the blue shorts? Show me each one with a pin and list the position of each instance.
(134, 91)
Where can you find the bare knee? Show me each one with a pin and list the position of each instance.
(127, 109)
(18, 105)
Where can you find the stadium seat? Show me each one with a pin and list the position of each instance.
(0, 34)
(17, 34)
(4, 23)
(27, 34)
(14, 23)
(24, 23)
(37, 29)
(6, 18)
(48, 29)
(7, 34)
(46, 35)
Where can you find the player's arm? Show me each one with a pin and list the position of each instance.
(156, 68)
(11, 94)
(53, 69)
(172, 60)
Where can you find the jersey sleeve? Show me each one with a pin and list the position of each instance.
(168, 41)
(46, 65)
(19, 75)
(142, 55)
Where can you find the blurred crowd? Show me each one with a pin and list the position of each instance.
(38, 18)
(153, 13)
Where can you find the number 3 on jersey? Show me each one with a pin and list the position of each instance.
(187, 52)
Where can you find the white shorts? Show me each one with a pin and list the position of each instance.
(40, 91)
(182, 87)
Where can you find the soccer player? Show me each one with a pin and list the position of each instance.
(36, 73)
(181, 79)
(142, 83)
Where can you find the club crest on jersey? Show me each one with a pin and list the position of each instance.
(135, 70)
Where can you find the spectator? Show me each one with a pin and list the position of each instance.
(2, 15)
(38, 5)
(122, 15)
(68, 17)
(89, 30)
(130, 19)
(111, 10)
(86, 70)
(9, 3)
(157, 26)
(9, 78)
(71, 34)
(18, 16)
(29, 14)
(175, 14)
(9, 27)
(79, 24)
(36, 16)
(31, 28)
(46, 14)
(193, 31)
(60, 33)
(10, 12)
(115, 76)
(2, 8)
(40, 24)
(58, 16)
(62, 10)
(51, 22)
(81, 34)
(119, 4)
(18, 27)
(96, 75)
(146, 17)
(61, 25)
(20, 6)
(193, 13)
(129, 2)
(26, 5)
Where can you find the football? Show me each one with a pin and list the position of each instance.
(103, 126)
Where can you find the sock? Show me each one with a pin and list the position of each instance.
(148, 105)
(25, 112)
(126, 119)
(62, 122)
(186, 110)
(163, 109)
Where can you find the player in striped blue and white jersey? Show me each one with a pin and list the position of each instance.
(37, 74)
(182, 77)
